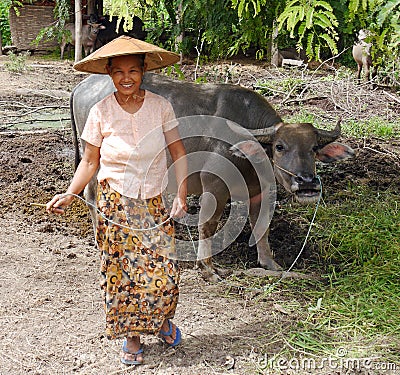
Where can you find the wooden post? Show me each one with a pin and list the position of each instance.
(78, 31)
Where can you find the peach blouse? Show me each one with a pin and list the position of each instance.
(132, 146)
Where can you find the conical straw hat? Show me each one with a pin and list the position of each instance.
(156, 57)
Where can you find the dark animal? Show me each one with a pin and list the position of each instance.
(287, 53)
(89, 35)
(292, 148)
(110, 31)
(362, 56)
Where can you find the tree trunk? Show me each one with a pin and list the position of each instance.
(78, 31)
(100, 7)
(91, 7)
(1, 45)
(179, 38)
(274, 41)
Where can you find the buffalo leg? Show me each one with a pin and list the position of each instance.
(259, 216)
(211, 211)
(366, 71)
(359, 68)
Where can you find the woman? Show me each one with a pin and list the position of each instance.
(125, 136)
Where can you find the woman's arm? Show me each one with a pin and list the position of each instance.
(83, 174)
(178, 155)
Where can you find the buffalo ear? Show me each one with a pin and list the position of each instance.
(334, 151)
(249, 150)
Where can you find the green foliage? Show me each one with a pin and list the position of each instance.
(5, 6)
(4, 24)
(254, 26)
(56, 31)
(314, 25)
(388, 19)
(127, 9)
(16, 63)
(220, 29)
(246, 7)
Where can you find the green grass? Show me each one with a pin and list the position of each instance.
(374, 126)
(358, 299)
(361, 248)
(351, 310)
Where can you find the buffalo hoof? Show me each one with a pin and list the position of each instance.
(270, 264)
(213, 274)
(212, 277)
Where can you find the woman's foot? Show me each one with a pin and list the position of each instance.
(170, 333)
(132, 354)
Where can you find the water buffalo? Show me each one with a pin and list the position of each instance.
(362, 56)
(89, 36)
(292, 148)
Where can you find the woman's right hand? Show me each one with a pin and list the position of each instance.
(58, 203)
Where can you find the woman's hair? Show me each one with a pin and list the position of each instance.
(141, 56)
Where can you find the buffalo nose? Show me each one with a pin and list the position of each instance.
(305, 178)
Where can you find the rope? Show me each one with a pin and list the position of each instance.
(285, 170)
(111, 221)
(269, 288)
(265, 289)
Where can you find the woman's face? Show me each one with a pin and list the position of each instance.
(126, 73)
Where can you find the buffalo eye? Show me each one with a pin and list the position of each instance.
(279, 148)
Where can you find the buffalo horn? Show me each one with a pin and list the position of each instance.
(328, 136)
(265, 135)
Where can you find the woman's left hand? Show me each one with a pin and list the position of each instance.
(179, 207)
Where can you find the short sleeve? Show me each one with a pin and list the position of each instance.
(92, 130)
(169, 119)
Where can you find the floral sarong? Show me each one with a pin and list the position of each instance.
(139, 280)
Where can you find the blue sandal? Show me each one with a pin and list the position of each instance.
(164, 334)
(134, 361)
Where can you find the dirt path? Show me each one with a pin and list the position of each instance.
(52, 319)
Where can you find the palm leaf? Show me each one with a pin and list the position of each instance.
(309, 18)
(330, 42)
(387, 10)
(310, 43)
(302, 29)
(323, 4)
(317, 51)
